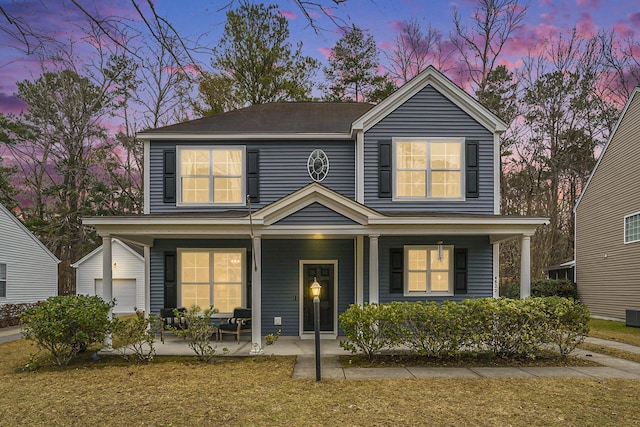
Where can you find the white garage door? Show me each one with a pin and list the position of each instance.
(124, 291)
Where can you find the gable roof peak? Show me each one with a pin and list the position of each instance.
(431, 76)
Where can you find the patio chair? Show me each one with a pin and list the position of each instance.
(238, 324)
(168, 319)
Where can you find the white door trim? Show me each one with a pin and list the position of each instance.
(329, 335)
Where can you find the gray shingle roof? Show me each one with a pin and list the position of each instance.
(278, 117)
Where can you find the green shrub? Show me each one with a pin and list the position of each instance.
(431, 329)
(517, 327)
(198, 331)
(66, 325)
(567, 323)
(10, 313)
(503, 327)
(543, 288)
(135, 337)
(368, 329)
(550, 287)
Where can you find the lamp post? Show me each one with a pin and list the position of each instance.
(315, 292)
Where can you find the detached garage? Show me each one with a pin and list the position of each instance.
(128, 276)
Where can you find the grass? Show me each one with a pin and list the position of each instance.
(610, 351)
(260, 391)
(615, 331)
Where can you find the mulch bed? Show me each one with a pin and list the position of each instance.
(402, 360)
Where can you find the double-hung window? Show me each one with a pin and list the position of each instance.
(428, 270)
(212, 175)
(632, 228)
(212, 277)
(428, 168)
(3, 280)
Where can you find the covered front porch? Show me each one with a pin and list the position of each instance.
(317, 214)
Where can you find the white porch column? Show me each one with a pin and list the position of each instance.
(147, 281)
(359, 270)
(525, 266)
(374, 296)
(496, 270)
(107, 280)
(256, 297)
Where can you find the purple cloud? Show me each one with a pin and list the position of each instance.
(634, 18)
(288, 14)
(11, 104)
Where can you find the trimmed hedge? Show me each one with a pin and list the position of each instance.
(503, 327)
(10, 313)
(543, 288)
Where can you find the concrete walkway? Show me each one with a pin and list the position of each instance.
(10, 333)
(331, 368)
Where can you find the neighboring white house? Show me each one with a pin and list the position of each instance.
(128, 276)
(28, 270)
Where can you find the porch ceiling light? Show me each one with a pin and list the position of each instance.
(315, 288)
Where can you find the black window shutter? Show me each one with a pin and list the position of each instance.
(396, 283)
(169, 176)
(472, 180)
(170, 280)
(384, 170)
(460, 273)
(253, 178)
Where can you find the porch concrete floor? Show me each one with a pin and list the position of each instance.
(285, 346)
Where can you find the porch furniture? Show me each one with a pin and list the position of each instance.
(168, 319)
(239, 323)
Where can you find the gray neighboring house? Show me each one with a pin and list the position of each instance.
(128, 278)
(607, 218)
(28, 270)
(398, 201)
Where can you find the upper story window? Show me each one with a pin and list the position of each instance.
(428, 168)
(211, 175)
(428, 270)
(3, 280)
(632, 228)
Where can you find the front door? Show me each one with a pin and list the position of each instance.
(324, 274)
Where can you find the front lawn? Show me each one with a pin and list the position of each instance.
(260, 391)
(615, 331)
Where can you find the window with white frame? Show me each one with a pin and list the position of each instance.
(428, 270)
(428, 168)
(632, 228)
(3, 280)
(212, 277)
(211, 175)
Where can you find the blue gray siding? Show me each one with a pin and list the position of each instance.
(283, 169)
(479, 273)
(281, 278)
(430, 114)
(316, 213)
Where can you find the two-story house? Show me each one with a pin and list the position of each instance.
(378, 203)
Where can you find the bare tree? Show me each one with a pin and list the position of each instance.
(481, 42)
(415, 49)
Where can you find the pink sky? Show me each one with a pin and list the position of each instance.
(545, 18)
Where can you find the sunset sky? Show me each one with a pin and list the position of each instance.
(205, 19)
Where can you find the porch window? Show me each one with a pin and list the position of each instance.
(429, 270)
(212, 277)
(3, 280)
(428, 168)
(211, 175)
(632, 228)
